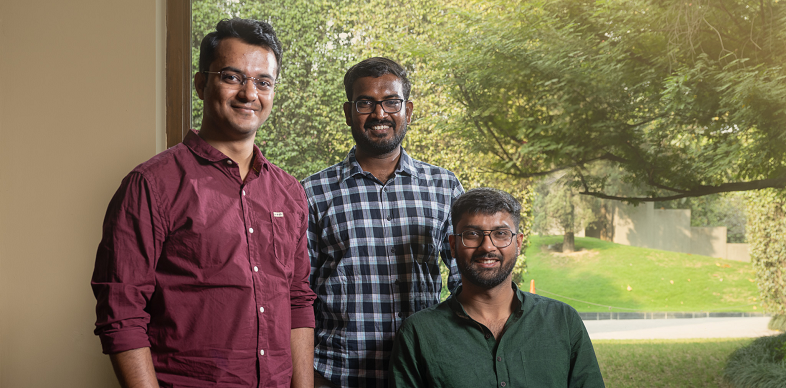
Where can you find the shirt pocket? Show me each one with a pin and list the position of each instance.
(425, 244)
(286, 233)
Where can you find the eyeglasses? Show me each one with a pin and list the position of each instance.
(234, 80)
(368, 106)
(474, 238)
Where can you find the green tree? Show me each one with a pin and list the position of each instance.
(766, 228)
(686, 98)
(557, 205)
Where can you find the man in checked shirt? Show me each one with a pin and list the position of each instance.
(378, 225)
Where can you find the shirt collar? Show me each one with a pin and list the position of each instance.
(201, 148)
(458, 309)
(350, 166)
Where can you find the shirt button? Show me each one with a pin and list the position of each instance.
(261, 309)
(502, 384)
(250, 230)
(392, 250)
(244, 192)
(400, 315)
(256, 269)
(390, 218)
(397, 281)
(262, 353)
(229, 162)
(499, 359)
(488, 336)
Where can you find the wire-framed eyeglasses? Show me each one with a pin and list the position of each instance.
(368, 106)
(234, 80)
(473, 238)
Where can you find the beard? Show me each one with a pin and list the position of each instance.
(375, 146)
(487, 278)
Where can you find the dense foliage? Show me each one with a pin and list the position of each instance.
(766, 231)
(672, 99)
(559, 208)
(758, 365)
(686, 98)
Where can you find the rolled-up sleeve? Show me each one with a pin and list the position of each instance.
(454, 277)
(124, 274)
(302, 297)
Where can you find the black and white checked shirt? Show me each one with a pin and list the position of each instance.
(374, 251)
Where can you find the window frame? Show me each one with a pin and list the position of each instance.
(178, 70)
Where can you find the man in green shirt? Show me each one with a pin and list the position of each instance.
(489, 333)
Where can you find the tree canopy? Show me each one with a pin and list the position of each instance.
(684, 98)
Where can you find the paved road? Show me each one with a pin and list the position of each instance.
(678, 328)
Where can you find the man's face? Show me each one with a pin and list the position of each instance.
(378, 132)
(485, 266)
(232, 112)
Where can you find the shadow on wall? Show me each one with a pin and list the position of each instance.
(670, 230)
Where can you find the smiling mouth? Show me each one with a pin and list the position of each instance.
(487, 261)
(379, 126)
(245, 108)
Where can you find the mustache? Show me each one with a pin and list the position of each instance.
(370, 124)
(487, 255)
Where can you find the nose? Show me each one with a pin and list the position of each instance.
(379, 112)
(248, 91)
(486, 244)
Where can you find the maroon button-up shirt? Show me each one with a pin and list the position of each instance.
(208, 271)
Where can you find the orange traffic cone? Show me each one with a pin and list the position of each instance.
(532, 287)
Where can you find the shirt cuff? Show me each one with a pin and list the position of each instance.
(303, 317)
(120, 341)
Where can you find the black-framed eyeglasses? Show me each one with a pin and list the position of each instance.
(473, 238)
(234, 80)
(368, 106)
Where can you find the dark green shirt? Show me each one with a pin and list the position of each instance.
(544, 345)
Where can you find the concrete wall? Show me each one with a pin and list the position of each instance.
(670, 230)
(708, 241)
(738, 252)
(644, 226)
(81, 103)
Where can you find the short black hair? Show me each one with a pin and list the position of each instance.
(376, 67)
(251, 31)
(485, 200)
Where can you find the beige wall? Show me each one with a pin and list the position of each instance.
(80, 106)
(670, 230)
(738, 252)
(644, 226)
(708, 241)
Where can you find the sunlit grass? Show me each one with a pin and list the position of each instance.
(665, 363)
(638, 279)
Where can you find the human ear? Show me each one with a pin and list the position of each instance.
(348, 112)
(200, 81)
(408, 106)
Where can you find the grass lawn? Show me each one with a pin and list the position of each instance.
(665, 363)
(638, 279)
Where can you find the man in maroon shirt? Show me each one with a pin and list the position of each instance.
(201, 278)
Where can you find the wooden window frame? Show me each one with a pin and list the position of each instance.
(178, 70)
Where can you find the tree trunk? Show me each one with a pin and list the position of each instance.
(568, 244)
(605, 223)
(567, 241)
